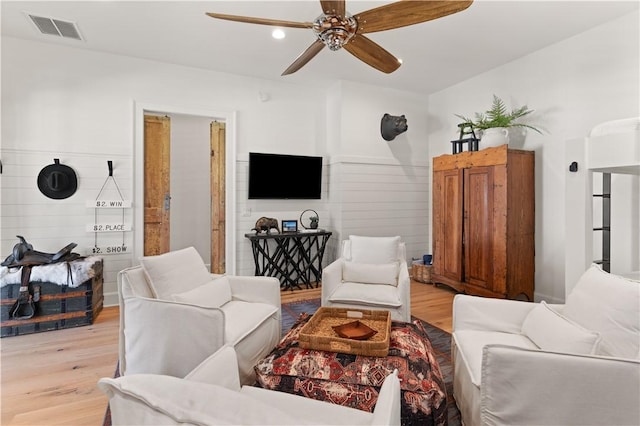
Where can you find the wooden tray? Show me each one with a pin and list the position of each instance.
(355, 330)
(319, 333)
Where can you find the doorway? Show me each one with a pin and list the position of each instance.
(200, 188)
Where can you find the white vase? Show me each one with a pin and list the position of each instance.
(494, 136)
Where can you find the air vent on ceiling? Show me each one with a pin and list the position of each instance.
(56, 27)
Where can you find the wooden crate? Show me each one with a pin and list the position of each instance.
(318, 332)
(422, 273)
(59, 307)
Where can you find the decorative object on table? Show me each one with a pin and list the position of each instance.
(467, 136)
(290, 225)
(392, 125)
(336, 28)
(319, 333)
(312, 217)
(355, 330)
(495, 123)
(57, 181)
(266, 224)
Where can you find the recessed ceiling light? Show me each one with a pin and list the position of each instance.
(278, 34)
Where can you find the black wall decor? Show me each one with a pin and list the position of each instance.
(57, 181)
(392, 125)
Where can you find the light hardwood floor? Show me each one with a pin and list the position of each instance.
(50, 378)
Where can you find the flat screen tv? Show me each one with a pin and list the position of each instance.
(284, 177)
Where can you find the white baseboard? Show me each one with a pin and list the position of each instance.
(110, 299)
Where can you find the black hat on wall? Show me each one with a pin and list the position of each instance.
(57, 181)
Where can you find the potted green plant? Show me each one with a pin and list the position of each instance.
(495, 122)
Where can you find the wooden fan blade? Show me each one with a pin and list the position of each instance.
(404, 13)
(261, 21)
(373, 54)
(305, 57)
(333, 7)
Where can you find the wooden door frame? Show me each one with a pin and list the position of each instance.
(229, 117)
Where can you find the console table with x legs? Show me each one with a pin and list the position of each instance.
(295, 258)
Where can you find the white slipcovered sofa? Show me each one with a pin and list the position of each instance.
(174, 314)
(211, 394)
(371, 272)
(520, 363)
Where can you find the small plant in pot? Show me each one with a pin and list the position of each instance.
(314, 222)
(495, 122)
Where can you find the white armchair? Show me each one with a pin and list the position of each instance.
(211, 394)
(371, 272)
(521, 363)
(174, 314)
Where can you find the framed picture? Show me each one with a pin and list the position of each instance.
(289, 226)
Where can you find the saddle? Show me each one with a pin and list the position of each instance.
(25, 257)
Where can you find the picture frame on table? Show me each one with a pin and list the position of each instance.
(289, 226)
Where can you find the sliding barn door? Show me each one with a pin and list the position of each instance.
(157, 198)
(218, 202)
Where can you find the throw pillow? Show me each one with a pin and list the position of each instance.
(552, 332)
(371, 273)
(213, 294)
(609, 304)
(175, 272)
(374, 249)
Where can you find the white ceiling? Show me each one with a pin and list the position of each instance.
(435, 54)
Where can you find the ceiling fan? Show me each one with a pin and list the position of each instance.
(337, 28)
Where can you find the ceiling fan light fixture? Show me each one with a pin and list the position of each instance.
(334, 38)
(335, 31)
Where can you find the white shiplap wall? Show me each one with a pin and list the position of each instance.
(50, 224)
(382, 199)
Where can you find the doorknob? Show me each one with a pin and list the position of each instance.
(167, 201)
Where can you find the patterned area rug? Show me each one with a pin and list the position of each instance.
(440, 342)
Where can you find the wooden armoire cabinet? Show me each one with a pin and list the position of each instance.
(484, 222)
